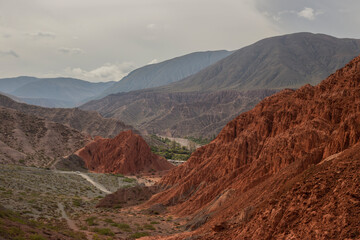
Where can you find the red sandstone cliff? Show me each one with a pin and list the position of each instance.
(263, 176)
(127, 153)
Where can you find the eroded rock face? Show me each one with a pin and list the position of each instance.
(261, 156)
(127, 153)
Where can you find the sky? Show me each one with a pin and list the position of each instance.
(103, 40)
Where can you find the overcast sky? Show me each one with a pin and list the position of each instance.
(102, 40)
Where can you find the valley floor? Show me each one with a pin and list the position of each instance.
(70, 198)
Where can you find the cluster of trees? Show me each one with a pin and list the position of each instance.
(172, 149)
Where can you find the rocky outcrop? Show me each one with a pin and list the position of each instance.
(264, 174)
(127, 153)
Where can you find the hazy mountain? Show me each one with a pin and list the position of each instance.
(52, 92)
(166, 72)
(274, 63)
(288, 61)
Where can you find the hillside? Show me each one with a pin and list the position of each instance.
(203, 103)
(34, 141)
(288, 61)
(287, 169)
(89, 123)
(177, 114)
(52, 92)
(127, 153)
(166, 72)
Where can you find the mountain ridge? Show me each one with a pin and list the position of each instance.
(168, 71)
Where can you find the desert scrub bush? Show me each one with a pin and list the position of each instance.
(149, 226)
(91, 221)
(129, 180)
(154, 222)
(119, 175)
(37, 237)
(139, 235)
(108, 220)
(77, 202)
(103, 231)
(122, 226)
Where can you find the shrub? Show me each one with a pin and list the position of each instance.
(122, 226)
(37, 237)
(104, 231)
(129, 180)
(149, 227)
(139, 235)
(91, 221)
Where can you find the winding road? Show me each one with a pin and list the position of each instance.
(87, 178)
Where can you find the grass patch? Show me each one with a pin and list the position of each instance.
(103, 231)
(139, 235)
(122, 226)
(149, 226)
(91, 221)
(37, 237)
(129, 180)
(108, 220)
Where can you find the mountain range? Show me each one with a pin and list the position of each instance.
(200, 105)
(51, 92)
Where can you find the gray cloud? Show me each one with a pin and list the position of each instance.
(113, 31)
(10, 53)
(71, 51)
(42, 35)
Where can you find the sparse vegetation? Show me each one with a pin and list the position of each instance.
(149, 227)
(103, 231)
(91, 221)
(200, 140)
(122, 226)
(139, 235)
(172, 150)
(129, 180)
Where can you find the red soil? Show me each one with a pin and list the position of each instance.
(127, 153)
(263, 176)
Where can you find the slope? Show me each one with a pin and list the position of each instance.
(271, 167)
(127, 153)
(177, 114)
(34, 141)
(89, 123)
(166, 72)
(287, 61)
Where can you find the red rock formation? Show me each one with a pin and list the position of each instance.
(261, 178)
(127, 153)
